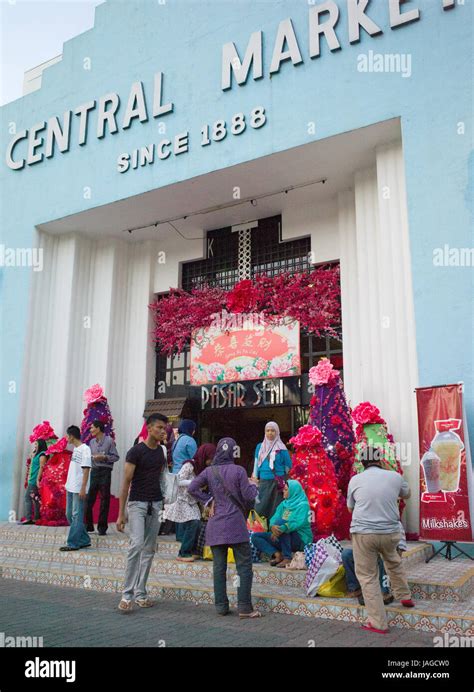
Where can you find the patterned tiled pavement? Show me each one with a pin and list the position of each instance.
(84, 618)
(443, 590)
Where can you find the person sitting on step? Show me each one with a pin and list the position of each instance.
(290, 529)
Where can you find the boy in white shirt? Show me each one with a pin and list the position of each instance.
(77, 486)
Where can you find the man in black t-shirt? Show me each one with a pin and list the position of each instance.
(144, 465)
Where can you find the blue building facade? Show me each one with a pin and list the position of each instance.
(323, 77)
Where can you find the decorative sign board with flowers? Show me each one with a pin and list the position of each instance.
(239, 353)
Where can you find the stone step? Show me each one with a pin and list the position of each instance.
(114, 541)
(437, 580)
(428, 616)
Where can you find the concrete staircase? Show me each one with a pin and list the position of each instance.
(444, 591)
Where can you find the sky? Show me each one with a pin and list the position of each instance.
(33, 31)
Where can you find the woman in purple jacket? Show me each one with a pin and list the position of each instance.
(232, 496)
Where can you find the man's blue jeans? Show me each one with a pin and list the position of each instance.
(351, 579)
(77, 536)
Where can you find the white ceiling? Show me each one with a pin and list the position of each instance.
(335, 159)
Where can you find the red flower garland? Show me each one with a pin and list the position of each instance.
(180, 313)
(313, 298)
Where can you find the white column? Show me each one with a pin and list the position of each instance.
(89, 322)
(350, 298)
(380, 360)
(396, 289)
(368, 268)
(131, 352)
(45, 383)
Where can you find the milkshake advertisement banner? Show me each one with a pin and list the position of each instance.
(446, 478)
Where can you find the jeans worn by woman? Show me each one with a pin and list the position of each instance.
(32, 502)
(188, 533)
(243, 563)
(286, 543)
(227, 526)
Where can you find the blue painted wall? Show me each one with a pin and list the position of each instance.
(133, 40)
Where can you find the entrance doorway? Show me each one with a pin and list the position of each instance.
(246, 426)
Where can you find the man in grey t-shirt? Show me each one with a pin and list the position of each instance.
(372, 497)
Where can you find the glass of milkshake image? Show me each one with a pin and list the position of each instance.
(448, 446)
(431, 464)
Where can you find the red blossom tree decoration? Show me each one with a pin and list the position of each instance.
(372, 431)
(97, 409)
(314, 470)
(331, 414)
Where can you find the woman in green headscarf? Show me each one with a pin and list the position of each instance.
(290, 528)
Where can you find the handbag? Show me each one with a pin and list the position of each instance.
(169, 485)
(297, 561)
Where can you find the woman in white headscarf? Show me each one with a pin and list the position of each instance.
(271, 467)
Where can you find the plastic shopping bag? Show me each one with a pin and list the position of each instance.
(207, 554)
(255, 552)
(325, 563)
(256, 523)
(335, 587)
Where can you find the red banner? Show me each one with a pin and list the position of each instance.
(446, 498)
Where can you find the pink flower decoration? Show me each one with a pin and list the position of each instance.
(323, 373)
(261, 364)
(307, 436)
(366, 413)
(93, 394)
(43, 431)
(249, 373)
(279, 367)
(214, 370)
(59, 446)
(198, 376)
(231, 375)
(295, 362)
